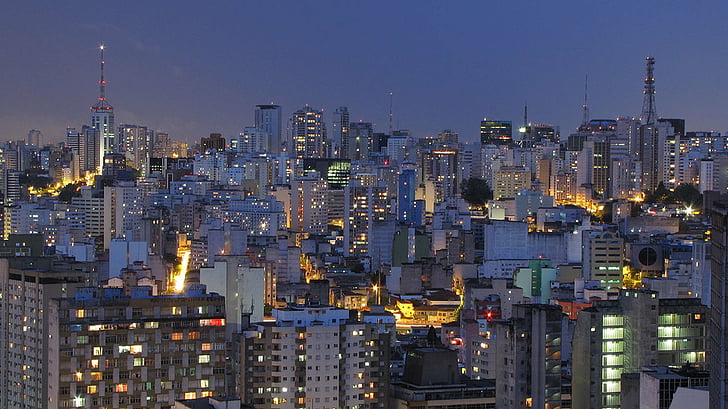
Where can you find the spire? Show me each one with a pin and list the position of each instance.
(391, 97)
(649, 113)
(585, 107)
(525, 114)
(102, 103)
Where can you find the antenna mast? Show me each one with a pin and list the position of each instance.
(391, 97)
(585, 107)
(102, 82)
(525, 114)
(649, 114)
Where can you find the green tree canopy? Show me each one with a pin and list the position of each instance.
(476, 191)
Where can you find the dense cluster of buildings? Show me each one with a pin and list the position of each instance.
(300, 265)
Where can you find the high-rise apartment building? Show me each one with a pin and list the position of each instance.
(309, 211)
(528, 357)
(135, 141)
(27, 289)
(109, 350)
(308, 134)
(363, 207)
(314, 357)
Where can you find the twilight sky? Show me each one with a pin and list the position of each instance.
(190, 68)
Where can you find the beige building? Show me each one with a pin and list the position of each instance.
(509, 180)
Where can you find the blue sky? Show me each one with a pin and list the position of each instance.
(190, 68)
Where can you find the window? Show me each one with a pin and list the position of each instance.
(203, 359)
(120, 387)
(176, 336)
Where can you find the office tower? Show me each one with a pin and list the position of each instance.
(314, 357)
(308, 134)
(116, 351)
(496, 132)
(406, 212)
(268, 119)
(718, 342)
(528, 351)
(102, 121)
(134, 142)
(308, 204)
(27, 288)
(358, 141)
(341, 131)
(363, 206)
(337, 172)
(538, 134)
(616, 337)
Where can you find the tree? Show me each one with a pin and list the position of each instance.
(476, 191)
(660, 195)
(689, 195)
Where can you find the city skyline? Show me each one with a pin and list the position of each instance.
(192, 77)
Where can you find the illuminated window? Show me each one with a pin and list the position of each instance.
(176, 336)
(91, 389)
(206, 346)
(138, 361)
(190, 395)
(203, 359)
(204, 383)
(194, 335)
(120, 387)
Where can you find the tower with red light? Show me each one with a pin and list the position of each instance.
(102, 124)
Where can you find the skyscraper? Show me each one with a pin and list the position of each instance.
(268, 119)
(102, 120)
(308, 134)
